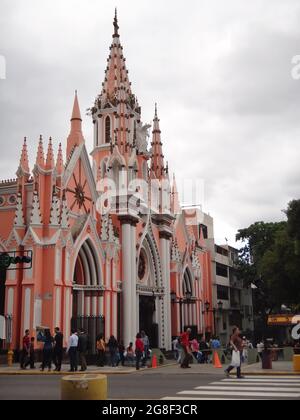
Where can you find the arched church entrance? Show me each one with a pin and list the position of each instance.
(189, 307)
(148, 286)
(88, 294)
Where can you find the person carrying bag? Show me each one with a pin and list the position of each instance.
(236, 361)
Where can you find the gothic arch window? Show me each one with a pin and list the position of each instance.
(107, 129)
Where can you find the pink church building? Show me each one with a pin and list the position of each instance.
(112, 249)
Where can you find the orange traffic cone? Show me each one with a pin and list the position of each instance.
(217, 363)
(154, 362)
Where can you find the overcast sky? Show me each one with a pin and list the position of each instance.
(219, 70)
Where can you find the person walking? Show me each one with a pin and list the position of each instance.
(25, 354)
(187, 354)
(30, 360)
(72, 350)
(121, 354)
(139, 350)
(146, 343)
(82, 349)
(113, 350)
(130, 354)
(237, 345)
(48, 341)
(58, 349)
(101, 347)
(260, 348)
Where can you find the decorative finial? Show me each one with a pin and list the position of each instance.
(116, 26)
(155, 109)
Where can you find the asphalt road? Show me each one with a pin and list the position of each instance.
(156, 386)
(126, 387)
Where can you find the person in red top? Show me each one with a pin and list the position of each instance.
(139, 350)
(25, 350)
(185, 343)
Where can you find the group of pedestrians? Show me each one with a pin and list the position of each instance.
(53, 350)
(119, 354)
(202, 350)
(77, 349)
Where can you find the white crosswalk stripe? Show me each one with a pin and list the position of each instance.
(267, 387)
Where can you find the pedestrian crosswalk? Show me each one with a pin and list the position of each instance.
(249, 388)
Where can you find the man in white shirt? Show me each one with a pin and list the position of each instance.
(72, 350)
(260, 349)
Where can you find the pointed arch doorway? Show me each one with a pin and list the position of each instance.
(148, 286)
(87, 294)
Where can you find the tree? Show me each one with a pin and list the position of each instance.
(293, 215)
(269, 261)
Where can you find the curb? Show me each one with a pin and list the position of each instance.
(37, 372)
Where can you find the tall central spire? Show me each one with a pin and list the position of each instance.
(116, 74)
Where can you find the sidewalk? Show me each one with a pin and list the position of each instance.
(15, 370)
(172, 368)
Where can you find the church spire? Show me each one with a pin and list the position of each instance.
(116, 74)
(157, 159)
(50, 164)
(76, 137)
(40, 158)
(59, 161)
(24, 162)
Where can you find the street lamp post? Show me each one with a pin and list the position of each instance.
(214, 312)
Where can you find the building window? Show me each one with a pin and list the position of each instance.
(107, 130)
(222, 292)
(222, 270)
(221, 251)
(204, 231)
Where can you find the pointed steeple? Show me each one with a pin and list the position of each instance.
(24, 162)
(36, 218)
(76, 114)
(175, 204)
(55, 211)
(116, 74)
(50, 163)
(59, 161)
(76, 137)
(40, 158)
(19, 216)
(157, 159)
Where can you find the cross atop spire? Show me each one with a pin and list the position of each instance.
(116, 25)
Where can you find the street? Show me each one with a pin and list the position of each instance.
(155, 386)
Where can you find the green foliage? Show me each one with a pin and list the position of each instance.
(270, 259)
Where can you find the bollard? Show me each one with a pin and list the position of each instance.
(84, 388)
(297, 363)
(10, 356)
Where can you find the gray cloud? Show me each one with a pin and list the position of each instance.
(220, 71)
